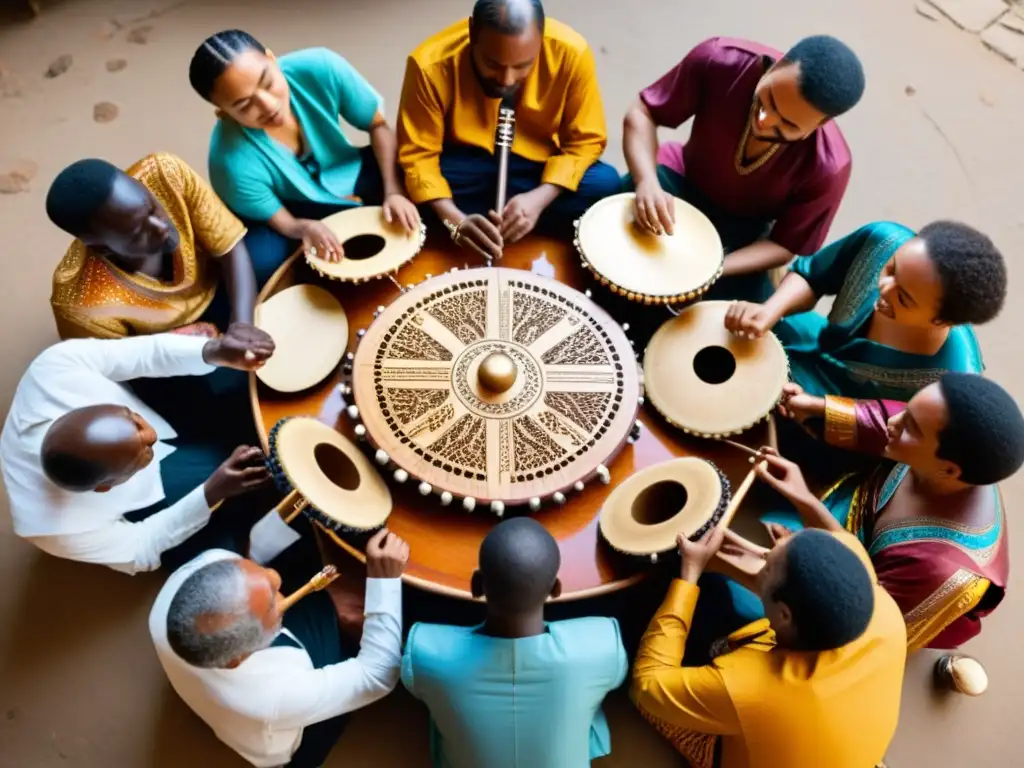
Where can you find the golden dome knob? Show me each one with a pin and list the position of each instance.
(497, 372)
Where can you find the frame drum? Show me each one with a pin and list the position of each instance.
(341, 488)
(645, 513)
(652, 269)
(372, 246)
(709, 382)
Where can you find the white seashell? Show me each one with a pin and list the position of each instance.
(558, 497)
(425, 489)
(360, 333)
(604, 474)
(360, 430)
(350, 356)
(380, 309)
(640, 400)
(625, 327)
(446, 499)
(534, 503)
(401, 475)
(381, 457)
(469, 503)
(579, 485)
(587, 293)
(654, 557)
(352, 411)
(498, 508)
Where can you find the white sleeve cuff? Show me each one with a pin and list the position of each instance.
(187, 354)
(383, 596)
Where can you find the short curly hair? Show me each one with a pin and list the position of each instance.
(972, 271)
(827, 589)
(78, 192)
(984, 433)
(831, 75)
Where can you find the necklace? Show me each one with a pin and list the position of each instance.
(742, 168)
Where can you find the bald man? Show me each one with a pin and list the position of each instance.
(89, 468)
(516, 690)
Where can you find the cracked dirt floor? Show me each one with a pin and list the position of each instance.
(937, 135)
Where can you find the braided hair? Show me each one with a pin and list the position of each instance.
(215, 55)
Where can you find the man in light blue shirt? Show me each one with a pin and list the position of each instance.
(516, 691)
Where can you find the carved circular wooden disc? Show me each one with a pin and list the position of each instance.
(566, 409)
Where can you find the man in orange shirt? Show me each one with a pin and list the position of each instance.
(816, 683)
(454, 84)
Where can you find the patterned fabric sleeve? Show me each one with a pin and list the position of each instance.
(216, 228)
(825, 271)
(859, 425)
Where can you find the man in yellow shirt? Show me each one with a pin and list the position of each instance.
(454, 84)
(816, 683)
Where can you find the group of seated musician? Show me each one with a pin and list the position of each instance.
(130, 443)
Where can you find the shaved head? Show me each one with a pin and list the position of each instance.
(508, 17)
(96, 448)
(519, 562)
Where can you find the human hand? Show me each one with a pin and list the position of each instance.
(654, 208)
(749, 320)
(319, 240)
(520, 216)
(239, 474)
(386, 556)
(798, 405)
(777, 532)
(243, 347)
(400, 210)
(481, 234)
(697, 554)
(785, 477)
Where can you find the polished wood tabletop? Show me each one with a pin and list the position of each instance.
(444, 542)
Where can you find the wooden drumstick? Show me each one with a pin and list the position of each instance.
(295, 500)
(318, 582)
(740, 447)
(737, 498)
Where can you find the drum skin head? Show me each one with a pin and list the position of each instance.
(710, 382)
(367, 223)
(653, 269)
(310, 332)
(332, 474)
(647, 510)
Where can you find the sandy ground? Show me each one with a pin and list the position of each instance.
(934, 137)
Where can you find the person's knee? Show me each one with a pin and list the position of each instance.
(600, 181)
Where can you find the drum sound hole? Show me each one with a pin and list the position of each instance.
(659, 502)
(363, 246)
(714, 365)
(336, 466)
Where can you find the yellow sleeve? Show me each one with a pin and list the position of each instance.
(692, 698)
(217, 230)
(582, 134)
(421, 136)
(73, 325)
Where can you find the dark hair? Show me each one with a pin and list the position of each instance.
(508, 17)
(519, 563)
(831, 75)
(71, 472)
(78, 192)
(215, 55)
(984, 432)
(971, 269)
(828, 590)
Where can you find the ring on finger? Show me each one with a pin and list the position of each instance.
(312, 250)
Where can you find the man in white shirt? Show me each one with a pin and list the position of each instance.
(87, 465)
(276, 689)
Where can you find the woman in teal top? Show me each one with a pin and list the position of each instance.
(902, 312)
(278, 156)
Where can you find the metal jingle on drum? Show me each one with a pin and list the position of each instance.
(401, 475)
(534, 504)
(425, 489)
(446, 499)
(469, 503)
(498, 508)
(381, 457)
(579, 486)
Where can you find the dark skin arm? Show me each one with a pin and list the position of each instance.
(397, 208)
(241, 283)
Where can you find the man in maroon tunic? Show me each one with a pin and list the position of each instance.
(764, 160)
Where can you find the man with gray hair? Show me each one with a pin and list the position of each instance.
(275, 686)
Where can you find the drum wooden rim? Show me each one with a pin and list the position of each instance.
(551, 375)
(400, 246)
(300, 445)
(650, 269)
(310, 332)
(747, 397)
(707, 493)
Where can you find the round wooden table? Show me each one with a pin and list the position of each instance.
(444, 542)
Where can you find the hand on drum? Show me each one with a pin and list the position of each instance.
(481, 234)
(243, 347)
(654, 208)
(243, 471)
(785, 477)
(520, 216)
(751, 321)
(400, 210)
(386, 556)
(697, 554)
(798, 405)
(319, 241)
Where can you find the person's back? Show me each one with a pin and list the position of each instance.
(530, 701)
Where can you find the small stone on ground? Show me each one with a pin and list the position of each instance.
(116, 65)
(105, 112)
(59, 66)
(140, 35)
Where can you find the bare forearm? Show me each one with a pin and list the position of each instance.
(793, 295)
(385, 150)
(757, 257)
(446, 210)
(814, 514)
(241, 283)
(285, 224)
(640, 144)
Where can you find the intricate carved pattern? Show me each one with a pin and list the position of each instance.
(552, 424)
(411, 343)
(464, 314)
(434, 421)
(580, 348)
(464, 444)
(532, 317)
(409, 404)
(528, 371)
(504, 446)
(532, 447)
(585, 409)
